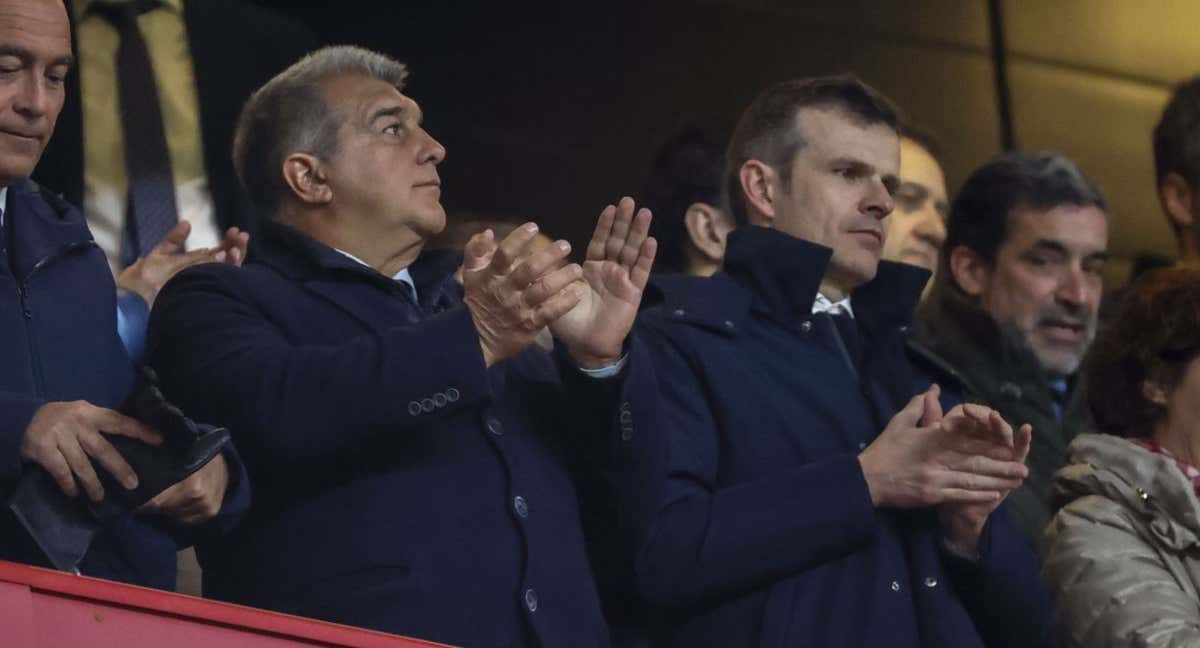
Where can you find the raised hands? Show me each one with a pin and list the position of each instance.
(513, 292)
(149, 274)
(615, 273)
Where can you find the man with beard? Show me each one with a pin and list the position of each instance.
(1015, 304)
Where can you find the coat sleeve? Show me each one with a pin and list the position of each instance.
(292, 405)
(1002, 591)
(16, 411)
(1112, 587)
(707, 540)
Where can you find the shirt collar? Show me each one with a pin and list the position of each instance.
(81, 7)
(3, 204)
(822, 305)
(404, 275)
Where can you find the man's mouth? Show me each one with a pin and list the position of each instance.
(431, 183)
(1063, 330)
(870, 234)
(24, 135)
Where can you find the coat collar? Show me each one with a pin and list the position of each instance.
(303, 258)
(42, 225)
(777, 275)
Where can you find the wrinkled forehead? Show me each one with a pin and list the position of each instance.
(35, 30)
(360, 100)
(832, 133)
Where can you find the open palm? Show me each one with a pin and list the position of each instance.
(619, 258)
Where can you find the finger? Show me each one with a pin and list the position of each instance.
(1001, 431)
(595, 248)
(1024, 439)
(976, 412)
(539, 263)
(478, 252)
(550, 284)
(82, 467)
(989, 467)
(112, 422)
(622, 222)
(558, 305)
(510, 248)
(972, 481)
(638, 231)
(99, 448)
(911, 414)
(971, 446)
(640, 274)
(174, 239)
(933, 407)
(56, 464)
(176, 262)
(162, 501)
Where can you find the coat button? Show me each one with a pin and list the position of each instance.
(427, 404)
(440, 399)
(493, 426)
(626, 417)
(895, 586)
(728, 324)
(930, 581)
(626, 433)
(452, 394)
(414, 408)
(862, 445)
(904, 330)
(679, 312)
(531, 600)
(520, 506)
(805, 326)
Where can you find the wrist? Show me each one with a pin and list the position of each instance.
(962, 535)
(591, 361)
(874, 488)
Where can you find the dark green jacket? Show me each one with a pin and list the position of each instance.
(967, 353)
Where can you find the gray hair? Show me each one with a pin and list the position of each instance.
(290, 115)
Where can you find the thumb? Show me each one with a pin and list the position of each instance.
(173, 241)
(932, 407)
(911, 414)
(478, 252)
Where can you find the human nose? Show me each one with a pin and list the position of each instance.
(931, 227)
(1074, 287)
(878, 202)
(32, 98)
(432, 150)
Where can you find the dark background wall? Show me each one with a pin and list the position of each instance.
(551, 110)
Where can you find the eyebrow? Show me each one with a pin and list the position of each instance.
(1061, 248)
(391, 111)
(27, 56)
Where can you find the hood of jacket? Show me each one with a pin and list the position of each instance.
(1144, 482)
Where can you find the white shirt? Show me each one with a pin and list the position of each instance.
(3, 204)
(403, 276)
(823, 305)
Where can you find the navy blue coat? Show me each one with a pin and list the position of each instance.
(764, 533)
(399, 483)
(58, 339)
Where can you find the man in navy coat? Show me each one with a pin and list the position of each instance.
(417, 461)
(815, 495)
(64, 366)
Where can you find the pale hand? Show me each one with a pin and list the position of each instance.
(149, 274)
(619, 258)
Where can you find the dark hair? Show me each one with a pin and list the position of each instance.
(768, 130)
(1154, 335)
(979, 215)
(1177, 134)
(686, 170)
(289, 114)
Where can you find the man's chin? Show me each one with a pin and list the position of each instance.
(1063, 362)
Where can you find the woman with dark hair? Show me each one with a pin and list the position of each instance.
(1124, 550)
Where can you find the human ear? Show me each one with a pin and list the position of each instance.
(707, 228)
(1176, 197)
(305, 177)
(969, 270)
(1154, 392)
(758, 183)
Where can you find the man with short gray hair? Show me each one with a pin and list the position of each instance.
(417, 459)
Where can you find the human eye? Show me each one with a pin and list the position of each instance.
(393, 128)
(56, 76)
(10, 65)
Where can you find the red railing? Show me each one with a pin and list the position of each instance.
(42, 608)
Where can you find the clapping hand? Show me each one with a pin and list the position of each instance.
(615, 273)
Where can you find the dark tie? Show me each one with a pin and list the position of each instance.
(151, 199)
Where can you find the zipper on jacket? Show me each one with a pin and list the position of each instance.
(27, 309)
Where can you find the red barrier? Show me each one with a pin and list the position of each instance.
(40, 608)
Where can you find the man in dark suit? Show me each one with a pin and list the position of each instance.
(64, 366)
(417, 460)
(144, 137)
(815, 495)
